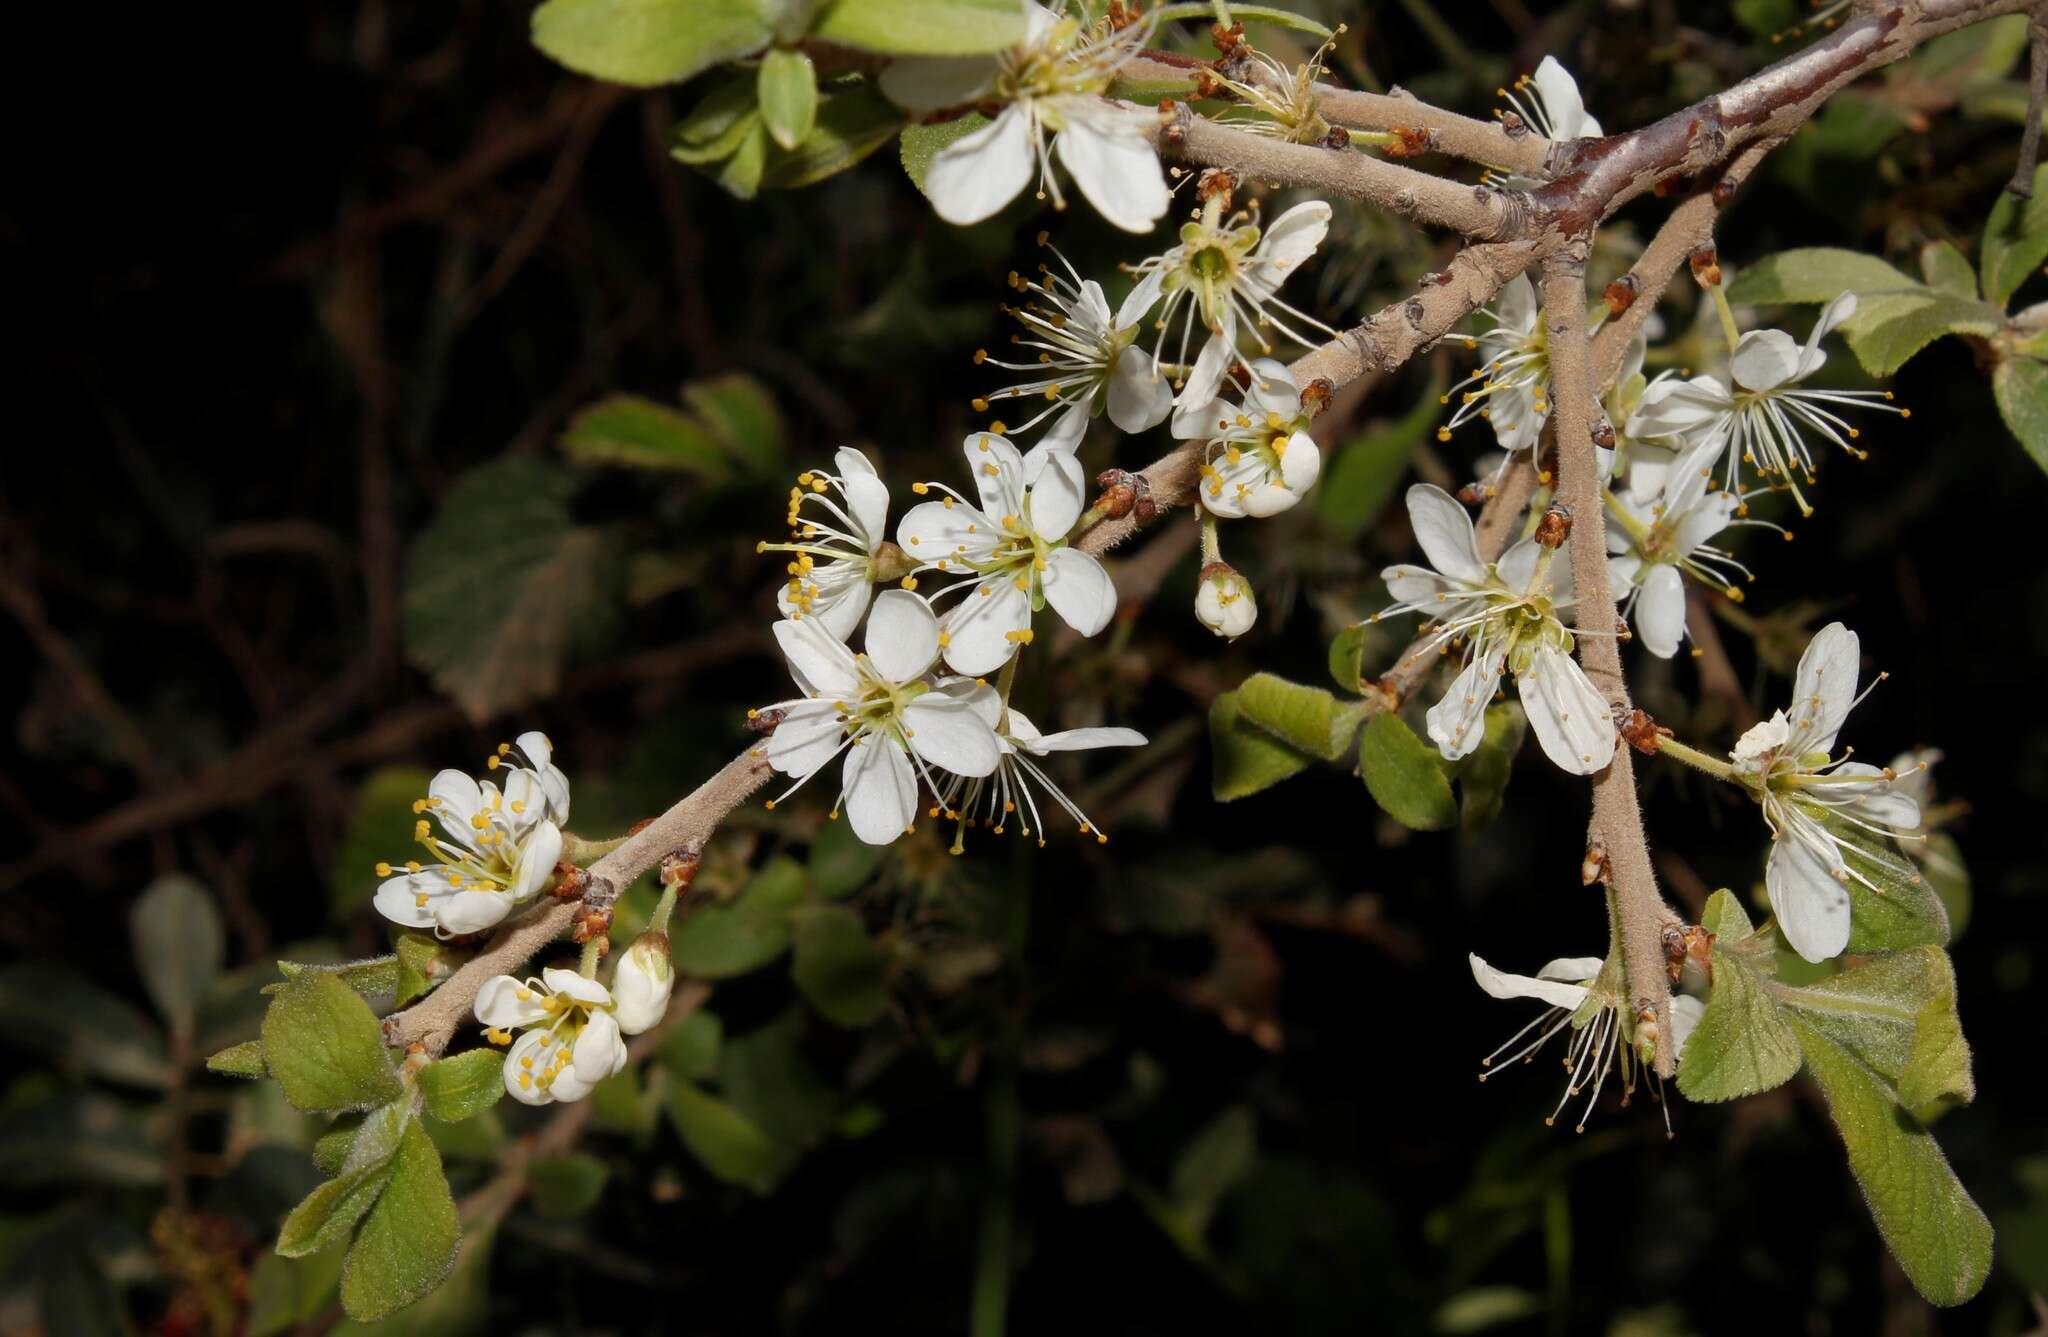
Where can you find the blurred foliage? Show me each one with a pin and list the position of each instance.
(406, 390)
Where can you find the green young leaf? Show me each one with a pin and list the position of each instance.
(2015, 241)
(423, 962)
(1725, 918)
(715, 126)
(494, 623)
(851, 125)
(331, 1148)
(464, 1086)
(691, 1048)
(1219, 1158)
(1940, 1237)
(380, 827)
(1743, 1044)
(788, 92)
(329, 1213)
(1948, 269)
(649, 42)
(1889, 328)
(1405, 776)
(836, 968)
(2020, 385)
(481, 1138)
(1941, 863)
(407, 1243)
(841, 862)
(740, 174)
(1483, 776)
(645, 434)
(922, 27)
(741, 415)
(1358, 481)
(1347, 659)
(720, 941)
(565, 1187)
(179, 946)
(242, 1060)
(730, 1145)
(1897, 1015)
(373, 977)
(1307, 719)
(82, 1026)
(922, 143)
(1902, 912)
(1244, 758)
(325, 1048)
(1814, 274)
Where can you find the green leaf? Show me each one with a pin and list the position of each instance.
(380, 827)
(788, 92)
(717, 942)
(480, 1138)
(645, 434)
(767, 1078)
(1405, 776)
(2020, 385)
(1219, 1159)
(242, 1060)
(922, 27)
(850, 126)
(329, 1213)
(922, 143)
(1277, 17)
(1889, 328)
(1814, 274)
(1902, 912)
(423, 962)
(841, 862)
(407, 1243)
(325, 1048)
(1360, 479)
(836, 968)
(649, 42)
(740, 175)
(740, 413)
(1725, 918)
(1948, 269)
(285, 1293)
(495, 622)
(1743, 1044)
(730, 1145)
(82, 1026)
(373, 977)
(715, 126)
(464, 1086)
(331, 1148)
(1307, 719)
(1245, 759)
(179, 947)
(1483, 775)
(692, 1047)
(2015, 240)
(565, 1187)
(1941, 863)
(77, 1137)
(1347, 659)
(1897, 1015)
(1940, 1237)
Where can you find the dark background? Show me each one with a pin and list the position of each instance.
(275, 283)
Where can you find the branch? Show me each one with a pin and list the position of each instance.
(1486, 142)
(433, 1020)
(2022, 184)
(1617, 818)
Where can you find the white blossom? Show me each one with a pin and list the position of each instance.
(1051, 88)
(1652, 548)
(497, 848)
(1224, 602)
(1511, 388)
(1010, 554)
(1812, 800)
(572, 1036)
(880, 710)
(836, 545)
(642, 982)
(1008, 793)
(1260, 459)
(1550, 103)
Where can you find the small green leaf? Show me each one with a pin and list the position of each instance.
(242, 1060)
(841, 862)
(330, 1212)
(285, 1293)
(717, 942)
(380, 827)
(1896, 1014)
(1347, 659)
(1244, 758)
(423, 962)
(1483, 776)
(331, 1148)
(1307, 719)
(1941, 863)
(1889, 328)
(1405, 776)
(179, 946)
(741, 415)
(325, 1048)
(464, 1086)
(565, 1187)
(2020, 385)
(1940, 1237)
(479, 1138)
(922, 27)
(1814, 274)
(835, 966)
(1902, 911)
(645, 434)
(648, 42)
(374, 977)
(1219, 1158)
(1948, 269)
(1725, 918)
(715, 126)
(788, 92)
(407, 1243)
(1360, 478)
(730, 1145)
(1272, 14)
(692, 1047)
(2015, 240)
(82, 1026)
(1743, 1044)
(922, 143)
(851, 125)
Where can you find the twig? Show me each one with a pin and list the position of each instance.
(2022, 184)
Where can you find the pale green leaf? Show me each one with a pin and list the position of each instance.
(406, 1245)
(329, 1214)
(464, 1086)
(922, 27)
(325, 1048)
(1743, 1044)
(565, 1187)
(2020, 385)
(922, 143)
(692, 1047)
(1405, 775)
(1725, 918)
(2015, 241)
(1307, 719)
(716, 942)
(788, 94)
(851, 125)
(375, 977)
(1269, 14)
(1219, 1158)
(1245, 759)
(1896, 1014)
(1814, 274)
(645, 434)
(1347, 659)
(242, 1060)
(841, 862)
(648, 42)
(1902, 909)
(179, 946)
(1889, 328)
(836, 967)
(766, 1076)
(741, 415)
(285, 1293)
(730, 1145)
(1948, 269)
(82, 1026)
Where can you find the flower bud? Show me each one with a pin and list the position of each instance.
(643, 982)
(1224, 603)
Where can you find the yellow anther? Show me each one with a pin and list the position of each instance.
(383, 870)
(910, 582)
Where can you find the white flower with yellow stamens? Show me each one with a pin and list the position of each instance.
(573, 1035)
(996, 799)
(1653, 546)
(1010, 553)
(1260, 459)
(836, 546)
(1050, 88)
(1550, 103)
(497, 850)
(881, 710)
(1511, 388)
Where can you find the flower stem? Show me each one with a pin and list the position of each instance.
(1728, 330)
(587, 967)
(1699, 761)
(663, 908)
(581, 852)
(1212, 542)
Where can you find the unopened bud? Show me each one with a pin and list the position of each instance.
(1555, 527)
(1224, 602)
(1125, 493)
(1706, 265)
(642, 983)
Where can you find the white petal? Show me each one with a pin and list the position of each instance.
(1561, 100)
(1057, 498)
(1824, 687)
(1300, 464)
(1062, 436)
(1811, 359)
(972, 178)
(1570, 717)
(852, 463)
(808, 736)
(1139, 301)
(1811, 905)
(980, 696)
(1445, 532)
(838, 605)
(1139, 396)
(1686, 1012)
(1079, 590)
(1077, 740)
(903, 636)
(1458, 722)
(1517, 566)
(538, 855)
(398, 898)
(527, 1048)
(932, 530)
(1517, 306)
(1196, 409)
(951, 733)
(818, 660)
(499, 1003)
(1500, 984)
(1660, 611)
(569, 984)
(471, 911)
(1116, 169)
(599, 1052)
(535, 747)
(881, 790)
(1413, 584)
(1577, 969)
(867, 502)
(998, 474)
(1765, 359)
(925, 84)
(454, 798)
(978, 627)
(1291, 239)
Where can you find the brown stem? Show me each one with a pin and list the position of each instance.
(2022, 184)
